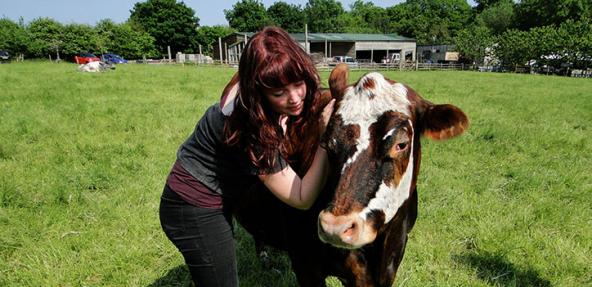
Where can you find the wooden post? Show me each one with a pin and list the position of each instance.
(306, 38)
(226, 53)
(325, 47)
(169, 51)
(220, 49)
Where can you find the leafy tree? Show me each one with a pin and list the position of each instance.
(498, 18)
(473, 43)
(248, 16)
(122, 39)
(484, 4)
(13, 37)
(537, 13)
(350, 23)
(207, 37)
(323, 16)
(374, 17)
(170, 23)
(575, 42)
(288, 16)
(429, 21)
(514, 47)
(46, 37)
(78, 38)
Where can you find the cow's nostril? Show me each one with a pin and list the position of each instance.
(349, 231)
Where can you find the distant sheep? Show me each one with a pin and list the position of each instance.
(96, 66)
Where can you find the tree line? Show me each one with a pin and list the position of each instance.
(549, 31)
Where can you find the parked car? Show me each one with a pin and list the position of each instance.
(113, 58)
(344, 59)
(84, 58)
(4, 56)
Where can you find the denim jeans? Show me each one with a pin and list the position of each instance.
(204, 237)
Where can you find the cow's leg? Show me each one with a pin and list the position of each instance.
(308, 269)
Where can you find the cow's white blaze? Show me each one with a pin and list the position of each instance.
(362, 106)
(388, 199)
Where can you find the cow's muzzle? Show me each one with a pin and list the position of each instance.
(345, 231)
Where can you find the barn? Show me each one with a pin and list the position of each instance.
(364, 47)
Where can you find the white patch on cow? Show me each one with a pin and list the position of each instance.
(389, 199)
(362, 106)
(388, 134)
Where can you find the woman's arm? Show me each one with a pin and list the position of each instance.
(295, 191)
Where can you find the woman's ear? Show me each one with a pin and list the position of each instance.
(338, 81)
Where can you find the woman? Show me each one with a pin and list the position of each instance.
(255, 134)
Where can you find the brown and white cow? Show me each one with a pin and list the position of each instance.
(357, 230)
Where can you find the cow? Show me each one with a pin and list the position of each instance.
(358, 227)
(96, 66)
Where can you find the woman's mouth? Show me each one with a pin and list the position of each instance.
(295, 108)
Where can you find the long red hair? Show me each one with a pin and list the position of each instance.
(272, 59)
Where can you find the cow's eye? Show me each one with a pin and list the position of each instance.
(401, 146)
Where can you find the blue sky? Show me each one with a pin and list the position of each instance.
(210, 12)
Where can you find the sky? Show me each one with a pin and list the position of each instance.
(209, 12)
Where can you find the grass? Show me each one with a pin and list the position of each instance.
(83, 158)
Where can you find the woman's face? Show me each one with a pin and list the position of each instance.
(288, 100)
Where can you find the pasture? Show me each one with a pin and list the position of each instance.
(83, 158)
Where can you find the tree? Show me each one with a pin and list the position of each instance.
(375, 18)
(538, 13)
(473, 43)
(288, 16)
(429, 21)
(575, 40)
(350, 23)
(122, 39)
(78, 38)
(46, 35)
(247, 16)
(170, 23)
(514, 47)
(498, 18)
(484, 4)
(13, 37)
(208, 36)
(322, 16)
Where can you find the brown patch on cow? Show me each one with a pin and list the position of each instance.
(444, 121)
(368, 84)
(356, 263)
(338, 81)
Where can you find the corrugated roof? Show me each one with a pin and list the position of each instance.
(343, 37)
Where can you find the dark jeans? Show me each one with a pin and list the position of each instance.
(204, 237)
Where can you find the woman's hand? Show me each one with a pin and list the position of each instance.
(326, 116)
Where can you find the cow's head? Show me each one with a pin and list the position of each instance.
(373, 143)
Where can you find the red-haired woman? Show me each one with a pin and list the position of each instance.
(265, 116)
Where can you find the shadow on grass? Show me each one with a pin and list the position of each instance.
(497, 270)
(176, 277)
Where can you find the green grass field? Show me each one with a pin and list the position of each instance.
(83, 158)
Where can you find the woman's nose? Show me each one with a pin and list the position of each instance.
(294, 97)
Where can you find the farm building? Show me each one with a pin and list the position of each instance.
(364, 47)
(437, 53)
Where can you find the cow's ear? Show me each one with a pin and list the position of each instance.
(443, 121)
(338, 81)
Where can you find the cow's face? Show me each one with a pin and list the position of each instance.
(373, 144)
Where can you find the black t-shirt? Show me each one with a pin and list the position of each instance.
(222, 169)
